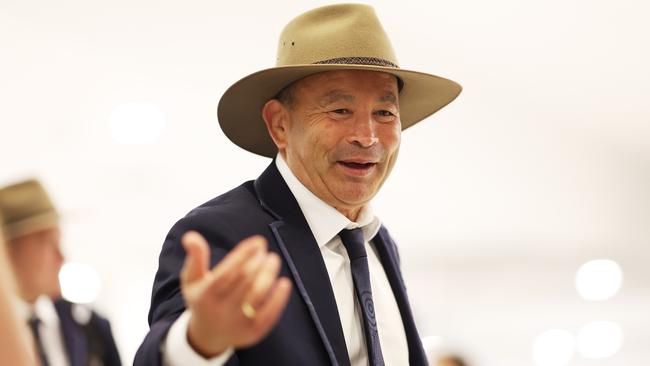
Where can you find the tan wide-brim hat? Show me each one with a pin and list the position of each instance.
(335, 37)
(26, 208)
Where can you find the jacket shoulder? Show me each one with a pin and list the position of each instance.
(80, 314)
(223, 221)
(235, 214)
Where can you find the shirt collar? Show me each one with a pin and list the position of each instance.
(324, 220)
(43, 308)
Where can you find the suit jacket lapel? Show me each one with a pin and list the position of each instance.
(73, 335)
(302, 255)
(390, 261)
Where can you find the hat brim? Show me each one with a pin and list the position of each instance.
(240, 107)
(31, 225)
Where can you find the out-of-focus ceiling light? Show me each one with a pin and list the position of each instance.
(599, 279)
(600, 339)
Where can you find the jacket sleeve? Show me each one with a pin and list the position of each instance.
(149, 353)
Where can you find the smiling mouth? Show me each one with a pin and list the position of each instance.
(357, 165)
(357, 168)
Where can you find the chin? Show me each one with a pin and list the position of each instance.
(356, 199)
(55, 291)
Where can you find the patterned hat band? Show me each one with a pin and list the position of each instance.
(370, 61)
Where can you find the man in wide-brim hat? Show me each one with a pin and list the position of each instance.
(294, 268)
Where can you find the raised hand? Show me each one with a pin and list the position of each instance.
(236, 303)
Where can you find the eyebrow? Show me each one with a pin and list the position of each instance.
(335, 96)
(389, 97)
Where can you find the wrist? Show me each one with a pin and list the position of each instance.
(204, 343)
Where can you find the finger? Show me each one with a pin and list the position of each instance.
(264, 280)
(234, 285)
(230, 270)
(242, 251)
(267, 315)
(196, 260)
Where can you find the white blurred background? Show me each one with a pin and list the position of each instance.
(540, 166)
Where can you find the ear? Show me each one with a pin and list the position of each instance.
(276, 118)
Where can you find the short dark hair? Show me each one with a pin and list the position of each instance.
(287, 96)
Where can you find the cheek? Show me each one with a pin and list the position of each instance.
(46, 258)
(317, 144)
(390, 137)
(24, 259)
(391, 141)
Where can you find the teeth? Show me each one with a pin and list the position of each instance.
(357, 165)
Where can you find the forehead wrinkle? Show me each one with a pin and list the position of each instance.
(334, 96)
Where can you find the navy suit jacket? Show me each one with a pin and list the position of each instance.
(87, 343)
(309, 330)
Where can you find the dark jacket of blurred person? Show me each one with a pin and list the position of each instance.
(62, 333)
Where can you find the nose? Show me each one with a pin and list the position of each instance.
(58, 255)
(363, 132)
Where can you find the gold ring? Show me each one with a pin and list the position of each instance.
(248, 310)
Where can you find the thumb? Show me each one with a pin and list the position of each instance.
(196, 261)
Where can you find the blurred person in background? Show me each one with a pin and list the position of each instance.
(294, 268)
(14, 346)
(62, 333)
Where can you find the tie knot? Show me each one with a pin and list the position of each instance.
(34, 321)
(354, 243)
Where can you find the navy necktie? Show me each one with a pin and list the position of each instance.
(356, 246)
(34, 322)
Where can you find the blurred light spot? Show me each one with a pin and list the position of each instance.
(599, 279)
(600, 339)
(81, 314)
(136, 123)
(554, 347)
(79, 283)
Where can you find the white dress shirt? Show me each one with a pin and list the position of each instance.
(49, 329)
(325, 223)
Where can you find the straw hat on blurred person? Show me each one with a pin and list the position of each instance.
(26, 208)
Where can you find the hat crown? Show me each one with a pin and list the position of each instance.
(345, 33)
(26, 207)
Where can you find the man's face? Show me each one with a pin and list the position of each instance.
(37, 259)
(343, 134)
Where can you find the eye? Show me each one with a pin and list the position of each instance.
(385, 113)
(341, 111)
